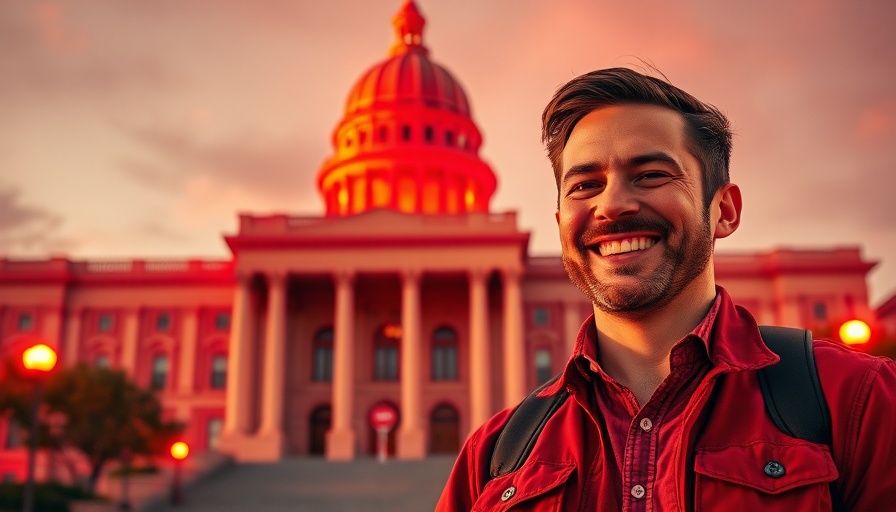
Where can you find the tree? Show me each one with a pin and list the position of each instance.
(103, 414)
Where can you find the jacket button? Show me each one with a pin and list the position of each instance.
(508, 493)
(774, 469)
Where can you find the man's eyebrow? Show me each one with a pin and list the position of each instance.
(580, 169)
(658, 156)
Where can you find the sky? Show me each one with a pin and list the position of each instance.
(141, 129)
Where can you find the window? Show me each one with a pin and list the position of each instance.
(222, 321)
(449, 138)
(820, 311)
(384, 133)
(444, 354)
(13, 435)
(322, 362)
(541, 317)
(26, 321)
(159, 372)
(385, 354)
(543, 371)
(163, 322)
(405, 132)
(101, 361)
(213, 433)
(104, 323)
(219, 372)
(428, 133)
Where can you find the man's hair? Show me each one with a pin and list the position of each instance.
(708, 130)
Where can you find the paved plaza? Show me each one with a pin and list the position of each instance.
(320, 486)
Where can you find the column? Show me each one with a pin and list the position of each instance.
(130, 340)
(51, 326)
(341, 437)
(189, 339)
(514, 347)
(71, 349)
(239, 378)
(572, 322)
(411, 436)
(271, 430)
(480, 383)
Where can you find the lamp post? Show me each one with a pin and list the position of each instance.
(38, 360)
(179, 452)
(855, 332)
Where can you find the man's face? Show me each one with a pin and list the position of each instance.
(633, 227)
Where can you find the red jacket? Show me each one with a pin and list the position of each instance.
(727, 440)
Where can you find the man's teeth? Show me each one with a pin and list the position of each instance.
(627, 245)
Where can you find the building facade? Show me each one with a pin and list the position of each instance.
(408, 292)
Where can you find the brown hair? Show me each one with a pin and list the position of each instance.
(709, 133)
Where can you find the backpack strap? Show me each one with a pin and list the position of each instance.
(791, 389)
(526, 422)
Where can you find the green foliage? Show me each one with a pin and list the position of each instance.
(49, 497)
(98, 411)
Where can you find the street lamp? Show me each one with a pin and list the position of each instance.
(38, 360)
(855, 332)
(179, 451)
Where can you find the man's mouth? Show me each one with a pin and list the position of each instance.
(625, 245)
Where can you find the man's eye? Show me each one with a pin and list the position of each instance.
(585, 185)
(653, 179)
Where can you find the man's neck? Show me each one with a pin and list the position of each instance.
(634, 349)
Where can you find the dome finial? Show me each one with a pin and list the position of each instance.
(408, 23)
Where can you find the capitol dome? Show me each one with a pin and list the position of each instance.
(407, 140)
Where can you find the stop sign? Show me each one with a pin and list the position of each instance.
(383, 417)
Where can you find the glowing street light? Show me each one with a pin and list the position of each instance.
(855, 332)
(38, 360)
(179, 452)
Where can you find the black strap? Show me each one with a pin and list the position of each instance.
(791, 388)
(522, 429)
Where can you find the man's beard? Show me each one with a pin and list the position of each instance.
(680, 265)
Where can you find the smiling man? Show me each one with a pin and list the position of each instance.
(664, 407)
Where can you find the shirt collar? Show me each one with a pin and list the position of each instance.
(728, 332)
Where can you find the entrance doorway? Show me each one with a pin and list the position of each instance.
(319, 425)
(444, 428)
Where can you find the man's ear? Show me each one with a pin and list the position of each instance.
(727, 206)
(557, 216)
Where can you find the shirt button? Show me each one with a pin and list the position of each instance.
(646, 424)
(638, 491)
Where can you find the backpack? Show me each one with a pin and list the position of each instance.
(790, 388)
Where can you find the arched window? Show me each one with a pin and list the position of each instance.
(219, 372)
(159, 378)
(322, 358)
(385, 352)
(444, 354)
(543, 367)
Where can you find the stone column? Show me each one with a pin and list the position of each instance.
(480, 383)
(239, 368)
(189, 339)
(514, 347)
(341, 437)
(271, 431)
(71, 349)
(411, 436)
(51, 326)
(130, 340)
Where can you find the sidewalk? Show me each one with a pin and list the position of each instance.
(316, 485)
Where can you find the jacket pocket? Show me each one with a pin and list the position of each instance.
(764, 476)
(538, 485)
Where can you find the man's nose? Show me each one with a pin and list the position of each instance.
(617, 200)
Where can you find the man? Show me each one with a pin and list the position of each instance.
(665, 410)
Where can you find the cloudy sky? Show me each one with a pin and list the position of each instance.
(141, 128)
